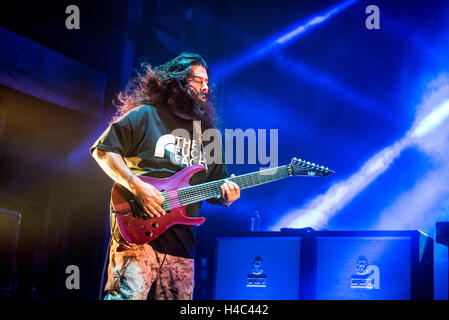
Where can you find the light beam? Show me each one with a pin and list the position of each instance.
(263, 48)
(317, 212)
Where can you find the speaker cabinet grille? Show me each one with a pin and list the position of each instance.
(373, 265)
(258, 268)
(325, 265)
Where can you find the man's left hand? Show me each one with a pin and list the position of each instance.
(230, 191)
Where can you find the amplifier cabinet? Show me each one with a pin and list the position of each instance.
(373, 265)
(259, 266)
(324, 265)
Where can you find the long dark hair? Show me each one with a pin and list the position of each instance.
(164, 86)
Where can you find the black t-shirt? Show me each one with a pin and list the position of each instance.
(157, 143)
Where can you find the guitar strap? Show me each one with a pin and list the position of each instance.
(197, 135)
(197, 126)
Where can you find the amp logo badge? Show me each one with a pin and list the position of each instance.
(367, 276)
(257, 278)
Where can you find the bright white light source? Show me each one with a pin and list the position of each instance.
(431, 121)
(314, 21)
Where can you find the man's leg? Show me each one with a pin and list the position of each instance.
(176, 279)
(130, 272)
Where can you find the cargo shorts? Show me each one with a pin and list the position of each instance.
(141, 273)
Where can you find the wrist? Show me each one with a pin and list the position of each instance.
(223, 202)
(134, 183)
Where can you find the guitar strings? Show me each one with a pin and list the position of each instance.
(196, 193)
(211, 189)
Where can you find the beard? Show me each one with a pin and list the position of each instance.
(189, 106)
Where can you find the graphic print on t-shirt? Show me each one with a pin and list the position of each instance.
(182, 150)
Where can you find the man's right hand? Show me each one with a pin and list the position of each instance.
(148, 197)
(115, 167)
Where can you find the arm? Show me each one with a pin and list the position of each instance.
(115, 167)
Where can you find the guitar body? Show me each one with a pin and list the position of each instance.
(138, 229)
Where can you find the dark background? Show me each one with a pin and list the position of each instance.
(337, 95)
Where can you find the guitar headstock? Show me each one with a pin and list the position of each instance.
(300, 167)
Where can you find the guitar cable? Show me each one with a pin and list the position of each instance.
(111, 238)
(160, 269)
(104, 268)
(105, 261)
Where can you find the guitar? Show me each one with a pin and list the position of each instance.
(137, 227)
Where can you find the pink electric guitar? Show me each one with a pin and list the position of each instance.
(138, 228)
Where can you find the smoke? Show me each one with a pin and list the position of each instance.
(319, 210)
(430, 131)
(428, 199)
(421, 206)
(430, 134)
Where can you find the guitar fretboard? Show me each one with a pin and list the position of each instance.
(211, 189)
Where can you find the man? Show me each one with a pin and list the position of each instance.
(155, 104)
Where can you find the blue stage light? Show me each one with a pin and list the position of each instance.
(304, 26)
(327, 82)
(264, 48)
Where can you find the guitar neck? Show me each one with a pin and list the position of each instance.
(211, 189)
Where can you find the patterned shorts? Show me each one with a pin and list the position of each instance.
(141, 272)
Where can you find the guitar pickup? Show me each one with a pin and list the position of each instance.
(137, 210)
